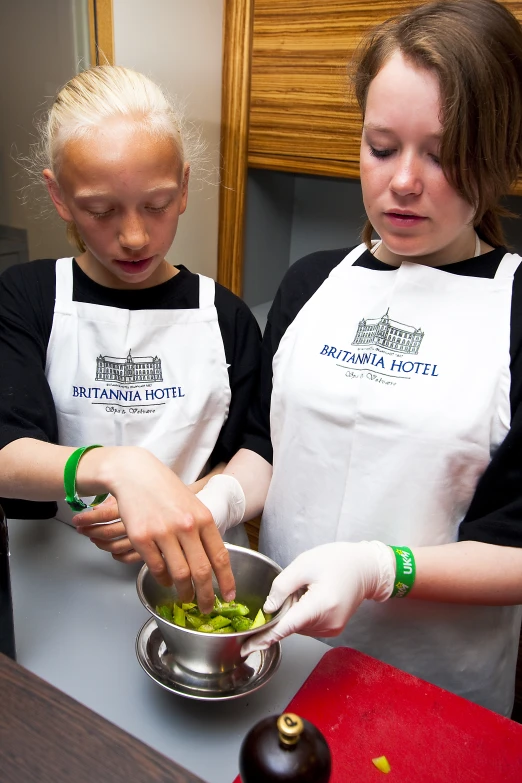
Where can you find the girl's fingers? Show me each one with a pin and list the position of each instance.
(129, 557)
(117, 547)
(182, 572)
(219, 559)
(150, 552)
(180, 547)
(106, 512)
(103, 532)
(204, 552)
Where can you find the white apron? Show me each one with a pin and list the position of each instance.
(151, 378)
(390, 395)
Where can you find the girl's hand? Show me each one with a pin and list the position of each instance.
(103, 525)
(332, 580)
(164, 523)
(105, 529)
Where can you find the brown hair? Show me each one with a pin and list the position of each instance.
(475, 48)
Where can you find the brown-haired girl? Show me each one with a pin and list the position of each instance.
(116, 347)
(388, 430)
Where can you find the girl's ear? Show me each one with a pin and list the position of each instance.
(55, 193)
(184, 188)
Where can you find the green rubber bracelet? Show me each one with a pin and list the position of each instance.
(69, 481)
(405, 575)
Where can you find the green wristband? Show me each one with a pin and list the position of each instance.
(405, 575)
(69, 481)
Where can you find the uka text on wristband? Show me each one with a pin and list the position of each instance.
(405, 576)
(69, 481)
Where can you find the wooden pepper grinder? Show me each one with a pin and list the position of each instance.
(284, 749)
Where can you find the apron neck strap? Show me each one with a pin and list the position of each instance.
(64, 284)
(477, 246)
(207, 292)
(508, 266)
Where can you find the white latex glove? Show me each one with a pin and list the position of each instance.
(225, 499)
(337, 577)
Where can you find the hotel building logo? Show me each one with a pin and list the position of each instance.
(387, 333)
(130, 369)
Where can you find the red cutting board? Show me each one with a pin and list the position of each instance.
(366, 709)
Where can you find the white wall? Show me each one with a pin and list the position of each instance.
(178, 43)
(38, 53)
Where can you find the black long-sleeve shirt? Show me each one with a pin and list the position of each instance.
(27, 299)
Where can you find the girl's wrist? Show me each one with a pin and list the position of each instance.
(104, 469)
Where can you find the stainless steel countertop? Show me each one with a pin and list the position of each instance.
(77, 615)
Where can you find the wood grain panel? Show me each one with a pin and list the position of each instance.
(237, 45)
(92, 31)
(515, 6)
(252, 529)
(303, 117)
(101, 32)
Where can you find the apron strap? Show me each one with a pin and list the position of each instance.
(508, 266)
(64, 285)
(207, 292)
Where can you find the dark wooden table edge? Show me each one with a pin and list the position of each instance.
(47, 735)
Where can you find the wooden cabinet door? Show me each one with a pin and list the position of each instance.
(303, 117)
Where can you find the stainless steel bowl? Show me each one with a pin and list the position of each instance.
(214, 653)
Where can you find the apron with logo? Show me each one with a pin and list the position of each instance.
(390, 395)
(151, 378)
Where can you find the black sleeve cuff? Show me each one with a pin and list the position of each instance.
(260, 446)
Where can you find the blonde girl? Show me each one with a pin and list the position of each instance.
(118, 348)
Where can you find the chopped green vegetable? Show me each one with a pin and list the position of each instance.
(179, 616)
(219, 622)
(165, 612)
(193, 621)
(241, 623)
(217, 606)
(233, 609)
(259, 620)
(206, 628)
(225, 617)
